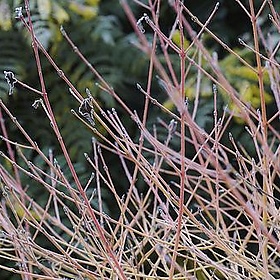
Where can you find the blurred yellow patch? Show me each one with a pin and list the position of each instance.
(168, 104)
(44, 8)
(93, 2)
(205, 89)
(5, 16)
(245, 81)
(176, 38)
(87, 12)
(247, 73)
(59, 13)
(250, 95)
(22, 213)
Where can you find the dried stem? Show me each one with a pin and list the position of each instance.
(209, 206)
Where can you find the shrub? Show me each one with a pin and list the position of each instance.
(201, 178)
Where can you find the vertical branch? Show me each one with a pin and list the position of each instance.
(215, 149)
(264, 126)
(183, 112)
(259, 67)
(97, 176)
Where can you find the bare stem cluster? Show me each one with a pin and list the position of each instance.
(214, 215)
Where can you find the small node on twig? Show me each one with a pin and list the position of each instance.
(18, 13)
(215, 90)
(172, 127)
(140, 24)
(86, 108)
(66, 210)
(270, 17)
(139, 87)
(241, 42)
(36, 103)
(60, 73)
(194, 19)
(62, 30)
(225, 108)
(249, 131)
(11, 80)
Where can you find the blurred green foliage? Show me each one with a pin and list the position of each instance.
(243, 78)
